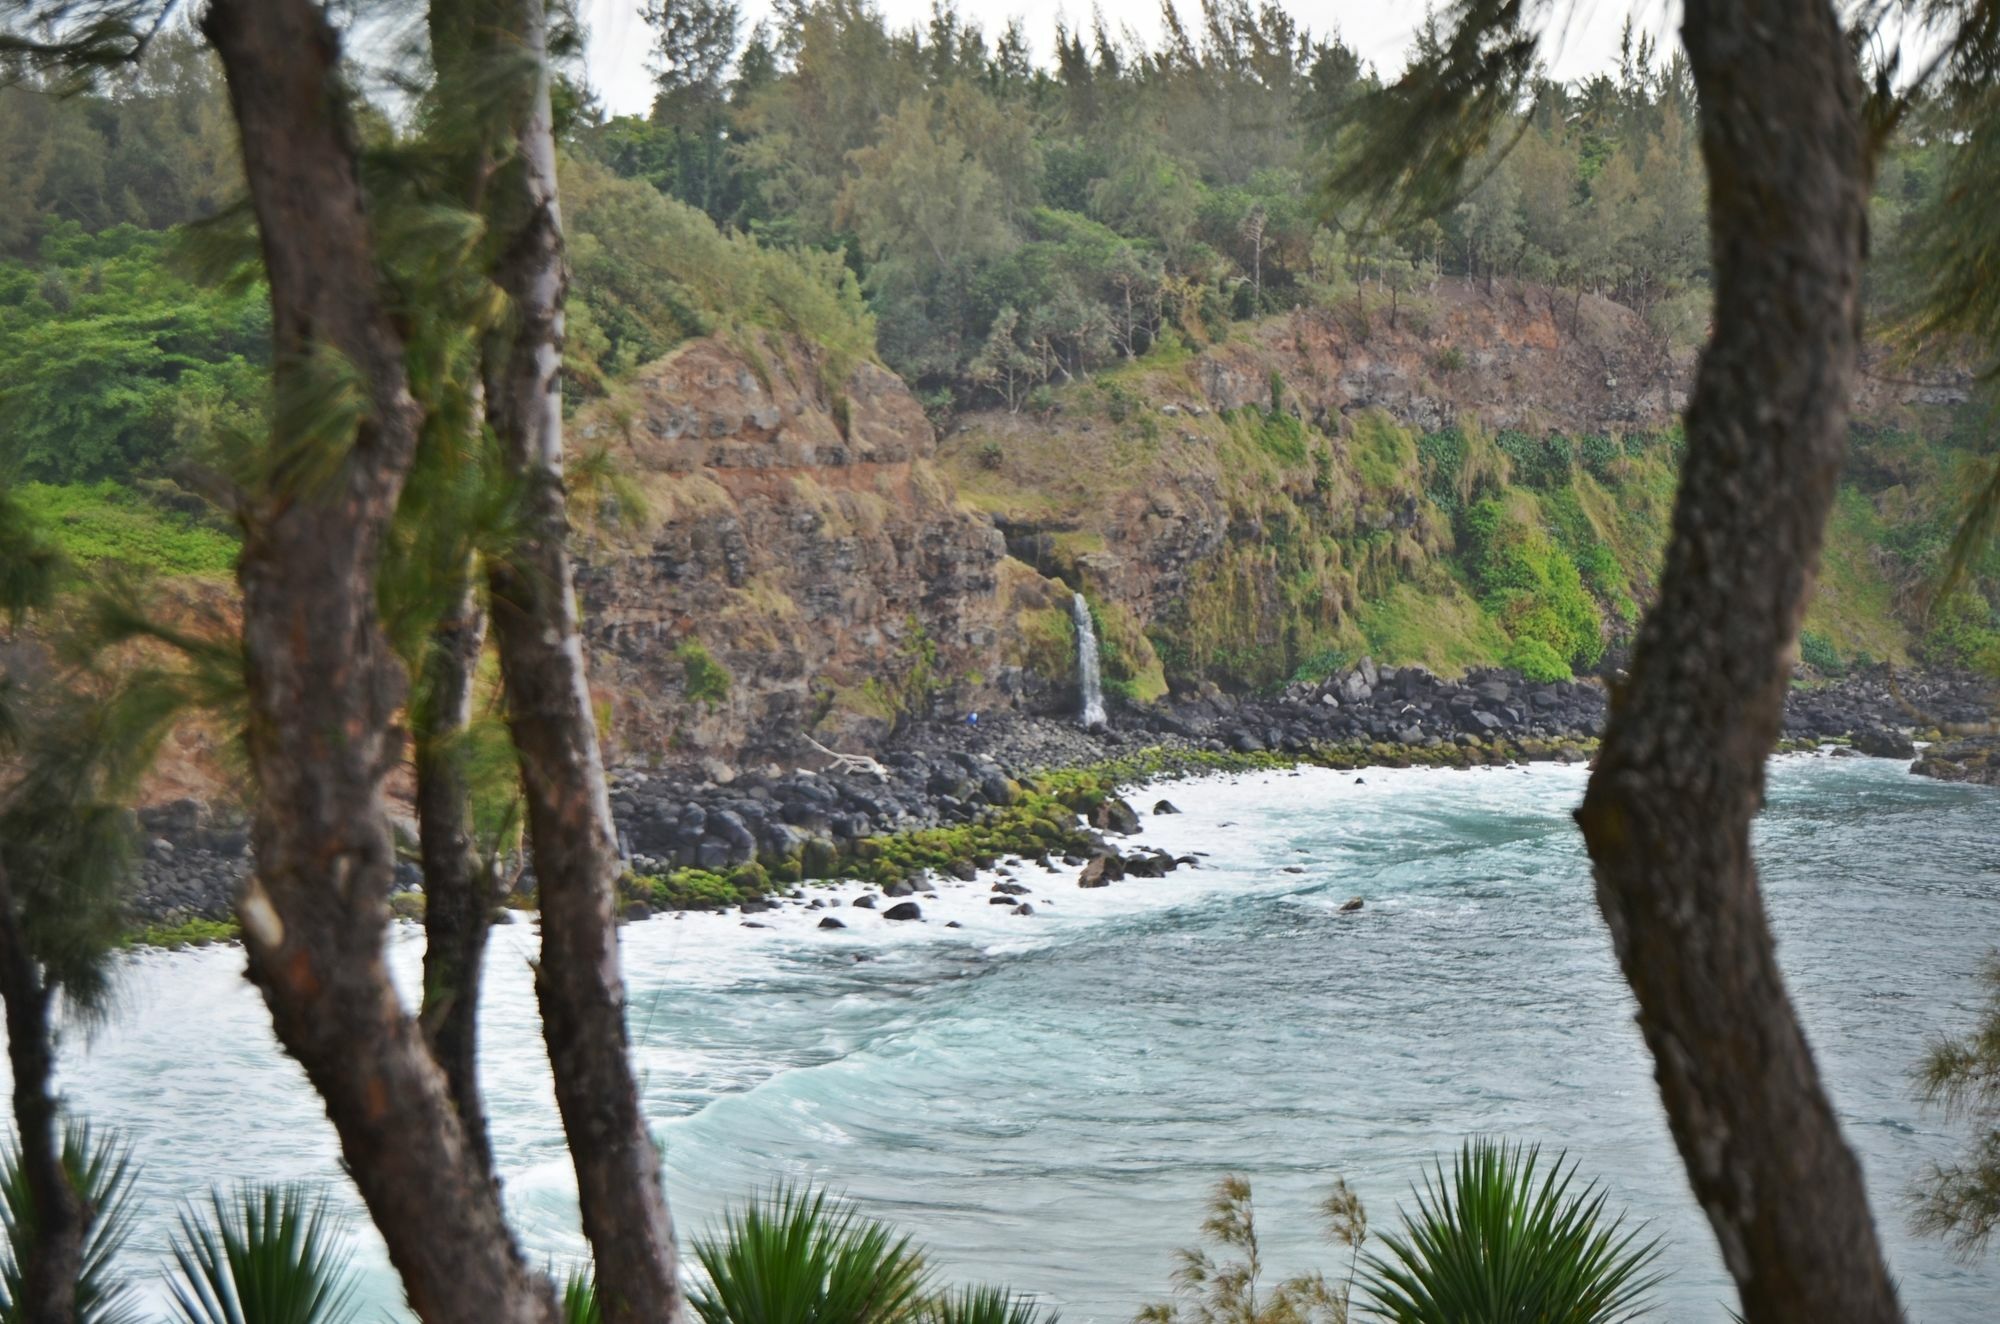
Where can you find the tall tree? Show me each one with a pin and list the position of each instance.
(574, 843)
(324, 686)
(29, 982)
(1681, 772)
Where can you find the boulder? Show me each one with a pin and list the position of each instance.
(1023, 909)
(1165, 807)
(865, 902)
(831, 923)
(1885, 743)
(1102, 871)
(1011, 889)
(1972, 760)
(1351, 905)
(1115, 815)
(903, 910)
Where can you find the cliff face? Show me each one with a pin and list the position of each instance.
(800, 566)
(812, 562)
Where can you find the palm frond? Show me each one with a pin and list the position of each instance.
(986, 1305)
(100, 1169)
(262, 1255)
(795, 1257)
(1496, 1239)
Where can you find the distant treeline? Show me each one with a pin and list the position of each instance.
(991, 226)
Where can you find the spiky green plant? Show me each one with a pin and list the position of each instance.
(100, 1168)
(795, 1257)
(1501, 1238)
(986, 1305)
(579, 1299)
(262, 1255)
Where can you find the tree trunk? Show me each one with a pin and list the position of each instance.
(1681, 771)
(458, 892)
(55, 1259)
(324, 686)
(533, 603)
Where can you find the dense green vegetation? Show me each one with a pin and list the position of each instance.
(1030, 238)
(1016, 225)
(107, 521)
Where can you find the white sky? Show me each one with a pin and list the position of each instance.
(1585, 38)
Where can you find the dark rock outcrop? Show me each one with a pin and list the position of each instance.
(1973, 759)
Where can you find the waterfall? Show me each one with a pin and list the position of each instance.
(1087, 677)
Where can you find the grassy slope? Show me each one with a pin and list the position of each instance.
(99, 522)
(1358, 540)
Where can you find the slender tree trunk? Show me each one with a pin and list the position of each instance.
(458, 891)
(325, 688)
(1681, 772)
(55, 1259)
(533, 601)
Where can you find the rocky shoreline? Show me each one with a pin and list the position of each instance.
(949, 798)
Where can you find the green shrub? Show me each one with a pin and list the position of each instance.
(1536, 661)
(1599, 452)
(1120, 403)
(1818, 652)
(1320, 663)
(1441, 456)
(1538, 461)
(1961, 633)
(109, 522)
(1530, 585)
(703, 679)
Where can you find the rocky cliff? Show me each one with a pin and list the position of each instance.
(795, 564)
(809, 561)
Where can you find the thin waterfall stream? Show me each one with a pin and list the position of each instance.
(1088, 678)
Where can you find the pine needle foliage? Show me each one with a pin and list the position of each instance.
(100, 1168)
(262, 1255)
(1502, 1238)
(797, 1257)
(1410, 146)
(64, 835)
(1960, 1200)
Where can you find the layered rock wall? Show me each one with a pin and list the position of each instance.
(798, 567)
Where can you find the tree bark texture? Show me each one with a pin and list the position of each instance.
(458, 890)
(1681, 771)
(533, 604)
(324, 685)
(50, 1270)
